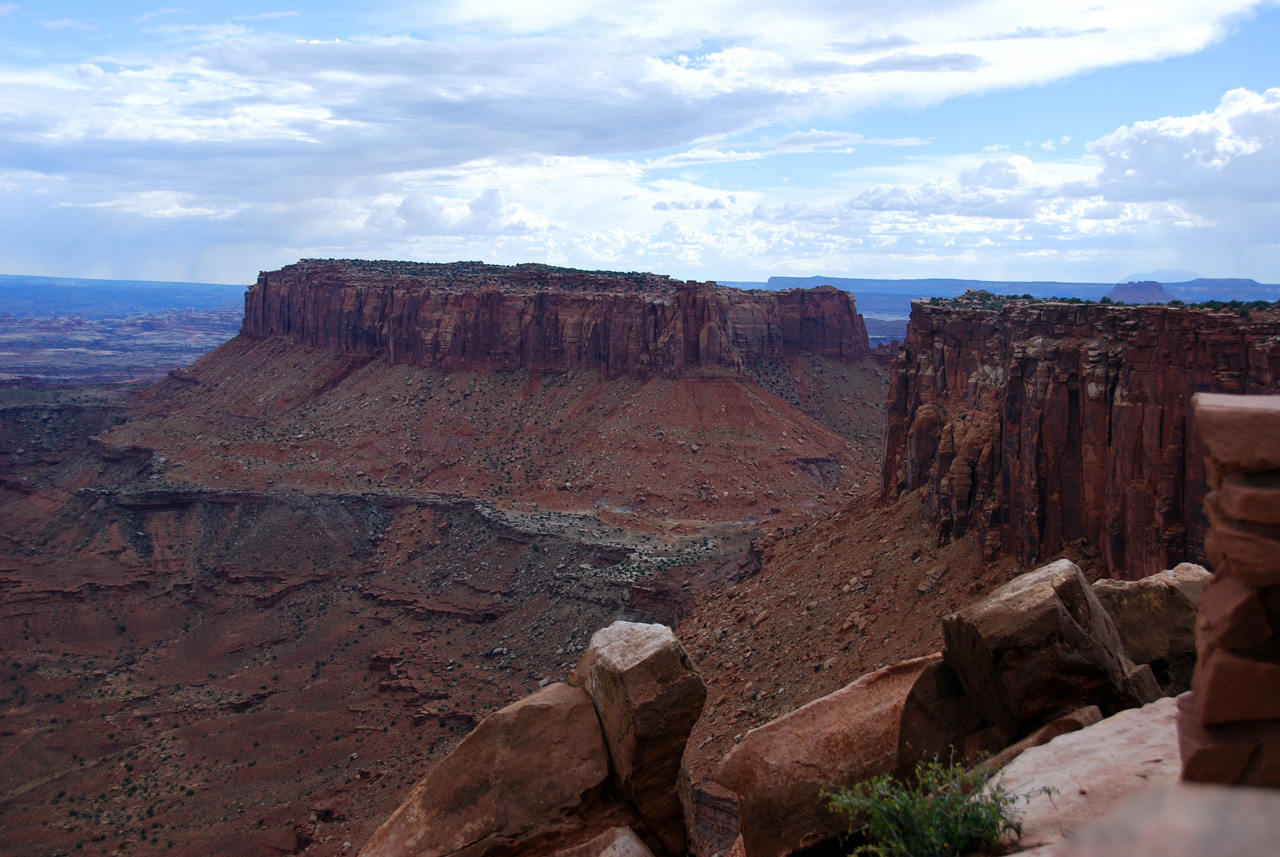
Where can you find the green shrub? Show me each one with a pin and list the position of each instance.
(949, 811)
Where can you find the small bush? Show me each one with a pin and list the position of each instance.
(949, 811)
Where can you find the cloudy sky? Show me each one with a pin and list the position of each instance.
(707, 139)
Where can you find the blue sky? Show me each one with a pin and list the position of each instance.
(707, 140)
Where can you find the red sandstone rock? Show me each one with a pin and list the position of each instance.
(1233, 689)
(530, 774)
(1156, 620)
(648, 696)
(1229, 753)
(1229, 728)
(1040, 424)
(1231, 616)
(536, 317)
(781, 770)
(1039, 647)
(1240, 430)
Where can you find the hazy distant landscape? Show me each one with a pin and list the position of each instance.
(59, 330)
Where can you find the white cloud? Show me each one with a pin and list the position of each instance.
(1230, 153)
(66, 24)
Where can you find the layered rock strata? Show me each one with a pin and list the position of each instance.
(540, 318)
(1229, 725)
(1040, 424)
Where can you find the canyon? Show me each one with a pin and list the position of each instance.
(247, 608)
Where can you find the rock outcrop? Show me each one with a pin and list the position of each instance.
(781, 770)
(1229, 726)
(648, 696)
(1041, 647)
(1156, 619)
(1039, 424)
(587, 769)
(469, 315)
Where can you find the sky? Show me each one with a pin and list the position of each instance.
(985, 139)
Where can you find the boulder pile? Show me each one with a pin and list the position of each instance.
(1038, 658)
(594, 766)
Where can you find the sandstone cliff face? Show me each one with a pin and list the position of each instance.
(472, 315)
(1040, 424)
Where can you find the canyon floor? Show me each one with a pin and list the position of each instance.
(243, 610)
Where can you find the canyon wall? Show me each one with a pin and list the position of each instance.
(536, 317)
(1039, 424)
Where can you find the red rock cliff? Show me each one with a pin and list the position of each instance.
(541, 318)
(1039, 424)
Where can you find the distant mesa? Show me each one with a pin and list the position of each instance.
(1145, 292)
(1162, 276)
(469, 315)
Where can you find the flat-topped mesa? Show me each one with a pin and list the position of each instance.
(541, 318)
(1037, 424)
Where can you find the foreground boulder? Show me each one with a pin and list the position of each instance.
(648, 696)
(1040, 647)
(781, 771)
(530, 778)
(1156, 620)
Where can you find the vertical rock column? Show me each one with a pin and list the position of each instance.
(1229, 725)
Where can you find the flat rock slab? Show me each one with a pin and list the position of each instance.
(1185, 820)
(1091, 771)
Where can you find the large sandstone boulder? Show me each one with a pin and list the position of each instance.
(648, 696)
(1039, 647)
(530, 776)
(1156, 620)
(1092, 770)
(782, 770)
